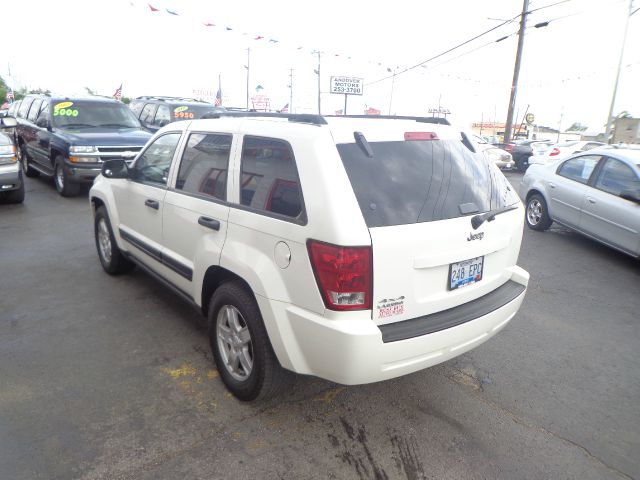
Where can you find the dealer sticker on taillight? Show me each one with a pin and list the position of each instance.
(465, 273)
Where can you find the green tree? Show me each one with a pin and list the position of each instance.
(577, 127)
(3, 90)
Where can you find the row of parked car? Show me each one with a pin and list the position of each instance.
(69, 138)
(527, 152)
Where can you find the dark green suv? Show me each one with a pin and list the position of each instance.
(156, 112)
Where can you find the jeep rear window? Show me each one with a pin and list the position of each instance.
(422, 181)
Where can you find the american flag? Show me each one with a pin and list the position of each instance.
(9, 97)
(218, 101)
(118, 94)
(285, 109)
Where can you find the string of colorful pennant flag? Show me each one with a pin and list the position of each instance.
(154, 8)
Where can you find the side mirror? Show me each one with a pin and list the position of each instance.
(163, 123)
(42, 122)
(631, 195)
(115, 169)
(8, 122)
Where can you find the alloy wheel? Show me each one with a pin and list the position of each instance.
(234, 342)
(104, 240)
(534, 212)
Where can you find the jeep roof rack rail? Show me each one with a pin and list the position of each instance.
(165, 98)
(292, 117)
(436, 120)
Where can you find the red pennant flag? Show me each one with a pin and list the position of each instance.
(258, 37)
(153, 9)
(209, 24)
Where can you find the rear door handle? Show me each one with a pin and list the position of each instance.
(591, 200)
(152, 204)
(211, 223)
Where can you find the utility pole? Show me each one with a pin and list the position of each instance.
(610, 120)
(516, 72)
(247, 67)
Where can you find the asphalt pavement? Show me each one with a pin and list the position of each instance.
(112, 378)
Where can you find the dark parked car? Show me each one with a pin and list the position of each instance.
(69, 138)
(521, 150)
(11, 184)
(156, 112)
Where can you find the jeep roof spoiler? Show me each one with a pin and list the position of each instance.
(319, 119)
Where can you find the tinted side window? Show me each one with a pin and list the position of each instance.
(269, 177)
(163, 116)
(34, 110)
(615, 177)
(14, 108)
(579, 168)
(204, 165)
(136, 107)
(24, 107)
(154, 163)
(147, 113)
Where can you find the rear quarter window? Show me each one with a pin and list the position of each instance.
(422, 181)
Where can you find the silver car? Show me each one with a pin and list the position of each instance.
(596, 193)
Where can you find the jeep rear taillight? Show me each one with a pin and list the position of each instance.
(344, 275)
(554, 152)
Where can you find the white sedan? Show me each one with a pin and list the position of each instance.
(560, 150)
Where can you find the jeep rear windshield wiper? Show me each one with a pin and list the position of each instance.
(478, 220)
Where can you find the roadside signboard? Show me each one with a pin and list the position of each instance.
(530, 118)
(346, 85)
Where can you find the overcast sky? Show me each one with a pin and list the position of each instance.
(567, 74)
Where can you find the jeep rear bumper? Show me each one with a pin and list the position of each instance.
(352, 350)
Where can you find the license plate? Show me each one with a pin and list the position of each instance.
(465, 273)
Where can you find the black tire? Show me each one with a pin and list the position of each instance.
(24, 159)
(111, 258)
(264, 376)
(537, 213)
(522, 163)
(16, 196)
(64, 186)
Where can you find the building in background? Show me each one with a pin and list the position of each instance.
(626, 130)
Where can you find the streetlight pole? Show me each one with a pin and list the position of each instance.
(291, 90)
(318, 72)
(247, 66)
(393, 81)
(516, 72)
(615, 86)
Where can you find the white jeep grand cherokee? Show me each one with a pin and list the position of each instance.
(354, 249)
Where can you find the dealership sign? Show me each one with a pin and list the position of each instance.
(346, 85)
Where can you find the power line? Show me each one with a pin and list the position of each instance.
(505, 22)
(445, 52)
